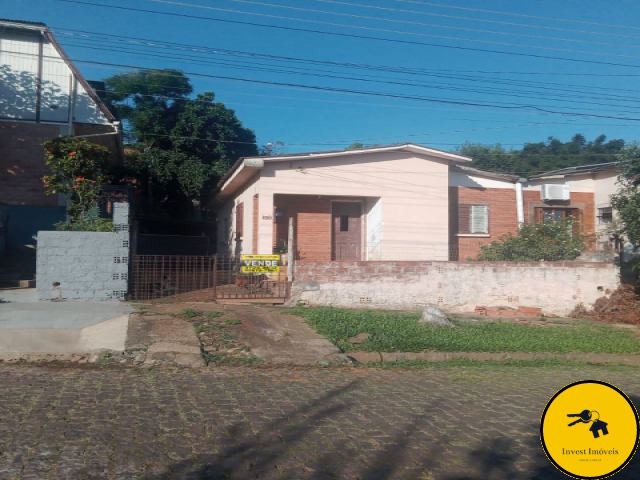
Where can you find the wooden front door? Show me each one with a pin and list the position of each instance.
(346, 235)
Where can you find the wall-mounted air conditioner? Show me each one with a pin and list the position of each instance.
(555, 192)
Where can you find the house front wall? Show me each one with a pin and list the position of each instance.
(498, 195)
(413, 191)
(407, 193)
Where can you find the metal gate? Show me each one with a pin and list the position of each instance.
(203, 278)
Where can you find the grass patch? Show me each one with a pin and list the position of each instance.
(233, 321)
(207, 327)
(190, 313)
(402, 332)
(211, 315)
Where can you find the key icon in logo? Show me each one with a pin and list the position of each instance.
(587, 416)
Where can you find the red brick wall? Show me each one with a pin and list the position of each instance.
(312, 224)
(502, 216)
(22, 163)
(582, 200)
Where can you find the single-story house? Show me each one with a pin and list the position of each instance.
(398, 202)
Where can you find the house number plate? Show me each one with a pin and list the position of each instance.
(267, 217)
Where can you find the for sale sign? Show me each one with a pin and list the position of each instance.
(260, 263)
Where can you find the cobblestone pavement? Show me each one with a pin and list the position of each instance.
(463, 423)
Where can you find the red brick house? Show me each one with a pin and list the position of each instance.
(42, 96)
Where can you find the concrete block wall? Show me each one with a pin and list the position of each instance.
(84, 265)
(556, 287)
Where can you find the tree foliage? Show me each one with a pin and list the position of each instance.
(78, 170)
(179, 146)
(549, 241)
(626, 201)
(542, 156)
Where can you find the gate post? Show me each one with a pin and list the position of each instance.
(215, 277)
(290, 252)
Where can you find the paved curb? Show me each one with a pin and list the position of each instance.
(366, 357)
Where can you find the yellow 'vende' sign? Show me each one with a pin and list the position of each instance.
(260, 263)
(589, 429)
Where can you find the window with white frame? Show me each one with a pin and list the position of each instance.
(605, 215)
(473, 219)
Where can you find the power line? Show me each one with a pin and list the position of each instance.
(406, 22)
(475, 19)
(350, 35)
(386, 69)
(418, 71)
(503, 105)
(397, 32)
(555, 19)
(391, 81)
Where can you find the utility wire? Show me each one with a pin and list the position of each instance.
(350, 35)
(422, 24)
(503, 105)
(554, 19)
(476, 19)
(414, 70)
(543, 85)
(565, 98)
(384, 30)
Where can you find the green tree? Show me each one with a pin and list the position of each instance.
(626, 201)
(541, 157)
(180, 146)
(355, 146)
(78, 170)
(550, 241)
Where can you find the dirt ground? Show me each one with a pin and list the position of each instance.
(247, 334)
(619, 306)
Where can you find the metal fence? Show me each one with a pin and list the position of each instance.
(203, 278)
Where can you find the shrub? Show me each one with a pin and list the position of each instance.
(549, 241)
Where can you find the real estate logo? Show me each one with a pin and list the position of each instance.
(589, 429)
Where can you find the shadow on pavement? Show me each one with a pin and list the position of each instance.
(269, 453)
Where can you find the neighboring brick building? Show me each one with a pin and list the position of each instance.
(403, 202)
(42, 96)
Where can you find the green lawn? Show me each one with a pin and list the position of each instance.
(402, 332)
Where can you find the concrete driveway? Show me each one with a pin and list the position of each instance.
(29, 326)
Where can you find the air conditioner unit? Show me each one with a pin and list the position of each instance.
(555, 192)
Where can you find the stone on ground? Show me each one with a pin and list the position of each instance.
(435, 316)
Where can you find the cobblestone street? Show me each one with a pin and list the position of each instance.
(283, 423)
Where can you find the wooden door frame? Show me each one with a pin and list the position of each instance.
(362, 223)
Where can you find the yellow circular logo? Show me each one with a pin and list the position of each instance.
(589, 429)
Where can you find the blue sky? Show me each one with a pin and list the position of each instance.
(506, 84)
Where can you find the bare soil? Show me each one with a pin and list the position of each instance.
(620, 306)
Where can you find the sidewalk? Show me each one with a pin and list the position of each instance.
(28, 326)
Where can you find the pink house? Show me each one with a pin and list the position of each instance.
(371, 203)
(399, 202)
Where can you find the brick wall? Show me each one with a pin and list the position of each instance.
(556, 287)
(502, 216)
(312, 224)
(585, 201)
(22, 163)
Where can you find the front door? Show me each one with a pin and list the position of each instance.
(346, 237)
